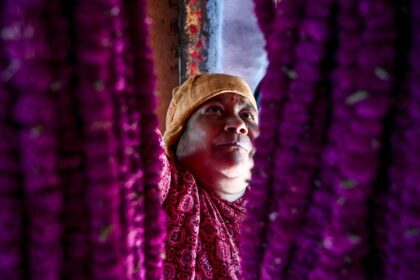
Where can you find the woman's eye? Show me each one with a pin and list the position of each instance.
(247, 115)
(214, 109)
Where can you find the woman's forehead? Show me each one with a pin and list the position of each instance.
(231, 97)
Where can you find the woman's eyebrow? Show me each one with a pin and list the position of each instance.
(214, 99)
(248, 106)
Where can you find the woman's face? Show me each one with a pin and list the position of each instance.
(218, 138)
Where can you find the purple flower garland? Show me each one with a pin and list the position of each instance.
(77, 122)
(296, 156)
(88, 203)
(27, 46)
(312, 90)
(302, 221)
(146, 225)
(69, 135)
(265, 11)
(131, 172)
(154, 219)
(11, 212)
(361, 100)
(401, 227)
(93, 31)
(274, 87)
(300, 137)
(143, 219)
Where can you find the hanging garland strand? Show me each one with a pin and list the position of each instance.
(11, 193)
(410, 195)
(361, 87)
(129, 117)
(75, 236)
(348, 42)
(304, 252)
(402, 219)
(83, 146)
(11, 214)
(34, 114)
(101, 144)
(311, 88)
(144, 84)
(361, 101)
(265, 11)
(301, 134)
(280, 50)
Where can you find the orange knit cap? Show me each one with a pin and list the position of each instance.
(191, 94)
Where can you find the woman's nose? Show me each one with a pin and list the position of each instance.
(236, 124)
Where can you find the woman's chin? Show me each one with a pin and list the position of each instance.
(235, 167)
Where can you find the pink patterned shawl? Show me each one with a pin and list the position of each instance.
(202, 229)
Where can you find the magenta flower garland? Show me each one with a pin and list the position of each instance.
(265, 11)
(281, 76)
(11, 212)
(79, 174)
(153, 218)
(274, 95)
(33, 113)
(131, 172)
(318, 207)
(400, 227)
(69, 135)
(300, 137)
(94, 91)
(79, 166)
(363, 99)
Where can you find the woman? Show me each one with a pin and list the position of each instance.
(211, 124)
